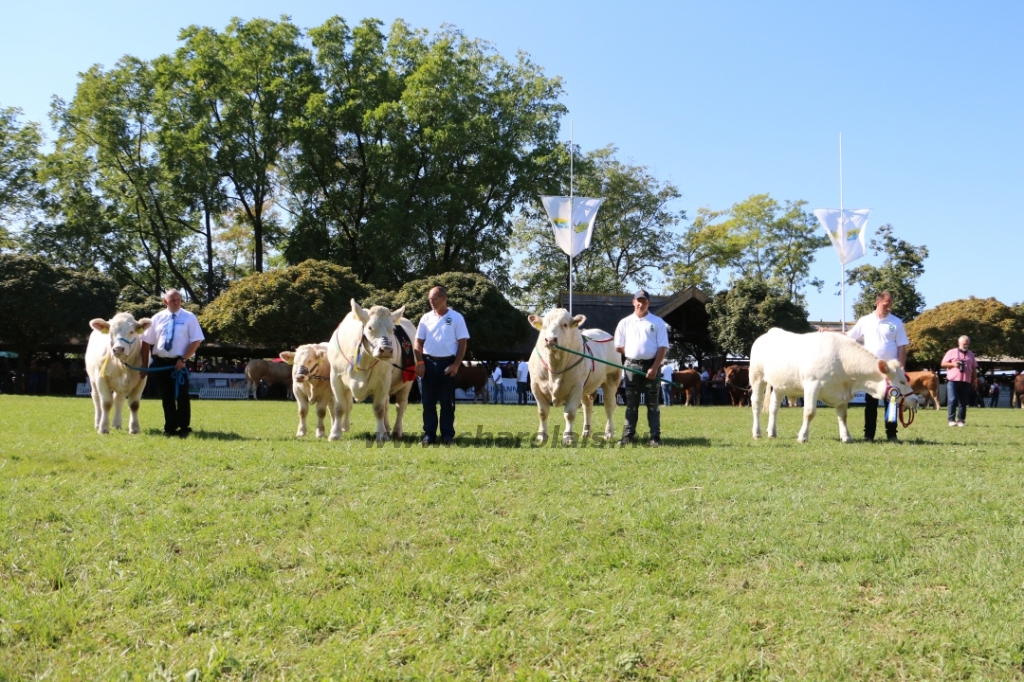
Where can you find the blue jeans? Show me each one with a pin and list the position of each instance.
(438, 388)
(958, 393)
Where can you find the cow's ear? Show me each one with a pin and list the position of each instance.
(536, 322)
(100, 325)
(578, 321)
(883, 368)
(321, 351)
(358, 311)
(143, 324)
(396, 316)
(287, 356)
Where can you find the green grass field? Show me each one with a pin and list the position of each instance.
(244, 553)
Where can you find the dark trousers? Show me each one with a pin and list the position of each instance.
(177, 411)
(522, 388)
(994, 400)
(438, 388)
(635, 385)
(957, 395)
(871, 419)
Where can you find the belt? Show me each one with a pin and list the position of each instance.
(642, 361)
(436, 358)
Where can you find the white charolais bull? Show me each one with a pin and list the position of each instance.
(115, 345)
(561, 378)
(363, 354)
(817, 366)
(311, 383)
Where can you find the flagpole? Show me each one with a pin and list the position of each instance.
(842, 234)
(571, 226)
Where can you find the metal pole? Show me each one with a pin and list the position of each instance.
(842, 235)
(571, 226)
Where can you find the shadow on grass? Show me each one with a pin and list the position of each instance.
(202, 435)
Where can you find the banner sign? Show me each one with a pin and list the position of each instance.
(849, 236)
(572, 232)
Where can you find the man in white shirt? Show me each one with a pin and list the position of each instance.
(523, 380)
(883, 335)
(666, 389)
(441, 339)
(172, 339)
(643, 338)
(498, 389)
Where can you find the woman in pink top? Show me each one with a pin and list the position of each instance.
(961, 374)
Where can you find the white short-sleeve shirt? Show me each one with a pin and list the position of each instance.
(441, 333)
(666, 372)
(641, 337)
(523, 371)
(883, 337)
(186, 330)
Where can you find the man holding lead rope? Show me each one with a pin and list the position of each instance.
(643, 339)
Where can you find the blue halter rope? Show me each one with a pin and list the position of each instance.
(181, 376)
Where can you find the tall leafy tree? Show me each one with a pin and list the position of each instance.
(995, 329)
(633, 238)
(237, 95)
(747, 310)
(779, 243)
(41, 303)
(416, 150)
(707, 247)
(112, 196)
(898, 274)
(19, 158)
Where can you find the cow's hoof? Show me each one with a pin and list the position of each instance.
(320, 434)
(133, 431)
(541, 439)
(586, 433)
(383, 438)
(846, 440)
(568, 441)
(801, 440)
(396, 435)
(334, 436)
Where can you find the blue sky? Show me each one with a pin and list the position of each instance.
(724, 99)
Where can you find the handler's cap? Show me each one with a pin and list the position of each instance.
(641, 293)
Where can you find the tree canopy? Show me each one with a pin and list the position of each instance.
(284, 308)
(41, 303)
(898, 274)
(739, 315)
(19, 158)
(995, 329)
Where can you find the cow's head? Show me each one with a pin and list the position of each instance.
(124, 331)
(309, 361)
(557, 327)
(378, 328)
(897, 378)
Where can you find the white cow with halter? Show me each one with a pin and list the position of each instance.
(363, 353)
(115, 346)
(561, 378)
(311, 383)
(826, 367)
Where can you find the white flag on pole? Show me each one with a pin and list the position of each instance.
(850, 236)
(572, 233)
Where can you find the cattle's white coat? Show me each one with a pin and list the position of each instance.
(113, 345)
(818, 366)
(561, 378)
(362, 353)
(311, 383)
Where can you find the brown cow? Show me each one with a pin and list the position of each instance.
(689, 379)
(475, 377)
(270, 372)
(925, 384)
(737, 382)
(1018, 390)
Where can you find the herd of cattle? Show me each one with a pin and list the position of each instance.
(362, 360)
